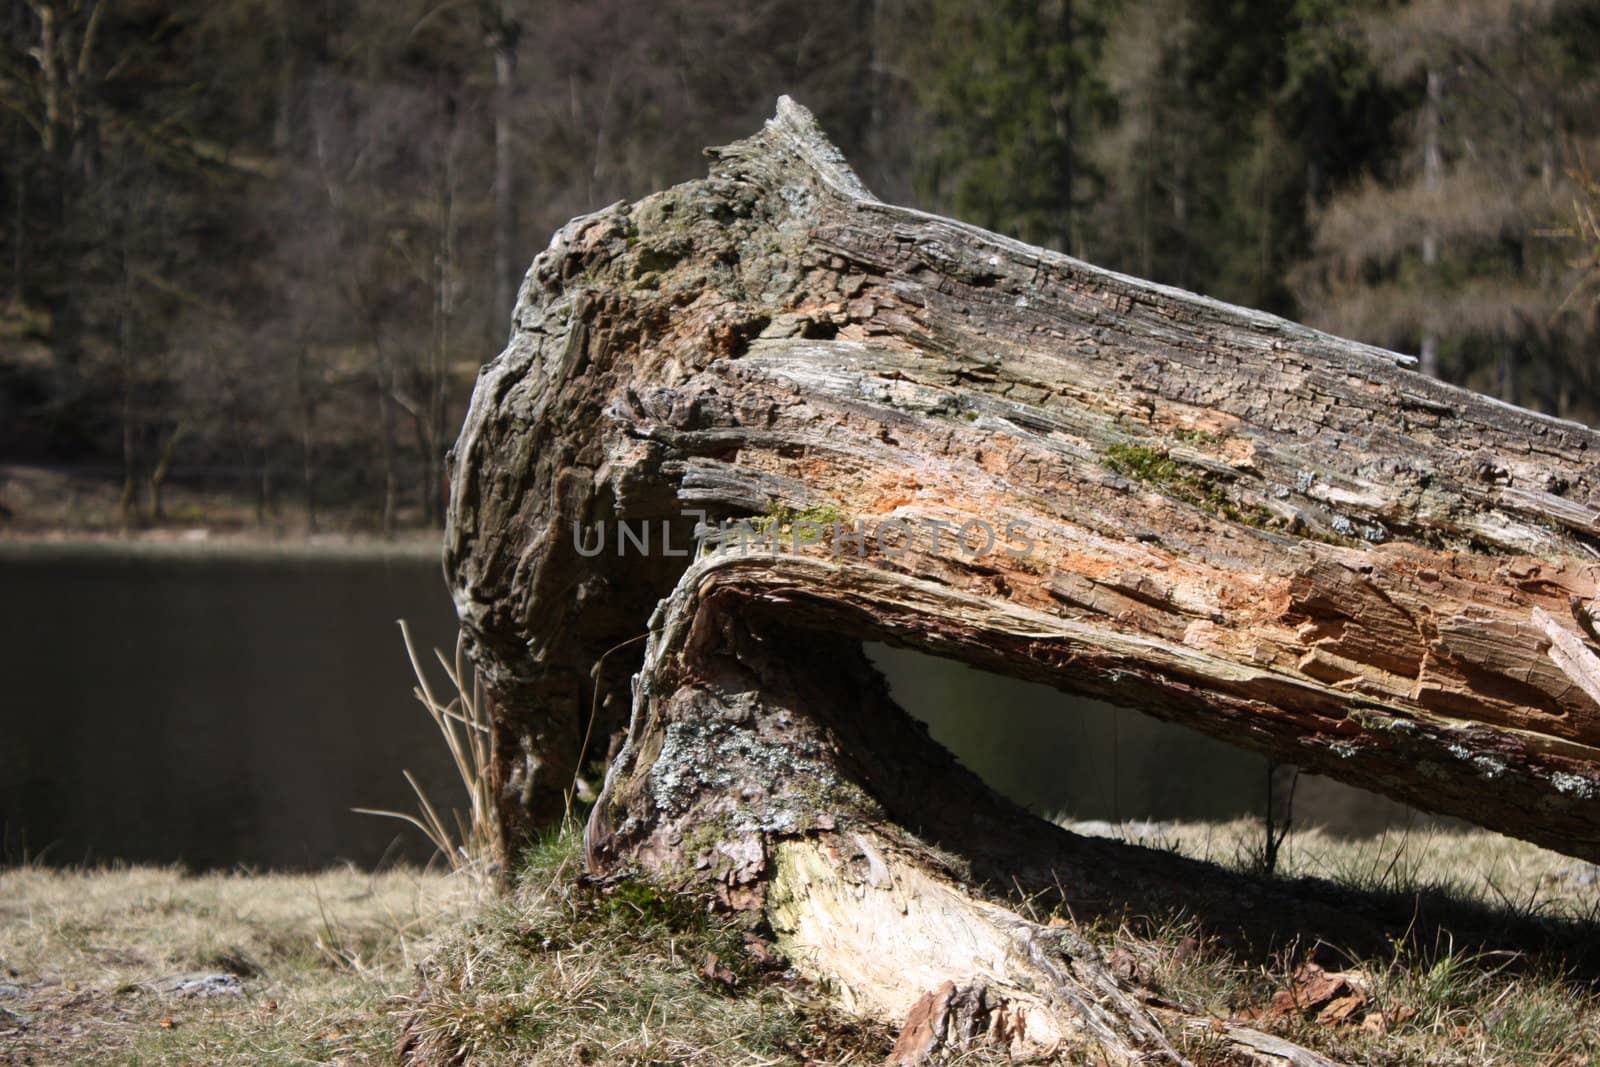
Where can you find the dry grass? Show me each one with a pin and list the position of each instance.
(572, 973)
(318, 959)
(1431, 999)
(463, 725)
(1468, 865)
(1423, 1005)
(1584, 297)
(567, 972)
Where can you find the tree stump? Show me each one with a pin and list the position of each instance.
(749, 422)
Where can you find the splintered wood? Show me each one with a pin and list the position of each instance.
(1286, 540)
(877, 424)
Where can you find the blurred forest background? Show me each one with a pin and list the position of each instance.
(259, 248)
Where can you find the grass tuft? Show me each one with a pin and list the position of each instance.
(572, 971)
(463, 723)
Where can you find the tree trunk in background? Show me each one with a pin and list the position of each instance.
(1280, 538)
(384, 382)
(283, 114)
(128, 502)
(19, 217)
(1432, 172)
(265, 503)
(128, 499)
(502, 32)
(18, 177)
(432, 424)
(1063, 105)
(305, 409)
(161, 469)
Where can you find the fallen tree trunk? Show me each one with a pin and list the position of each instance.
(946, 440)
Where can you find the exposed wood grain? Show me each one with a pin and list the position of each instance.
(1284, 539)
(767, 767)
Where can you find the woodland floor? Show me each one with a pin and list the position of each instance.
(341, 967)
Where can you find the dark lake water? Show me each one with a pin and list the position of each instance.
(1081, 759)
(214, 709)
(222, 708)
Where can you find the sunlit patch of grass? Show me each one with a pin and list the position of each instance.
(1428, 1000)
(319, 957)
(1426, 1005)
(1470, 865)
(567, 971)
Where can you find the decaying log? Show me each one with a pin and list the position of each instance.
(767, 764)
(1280, 538)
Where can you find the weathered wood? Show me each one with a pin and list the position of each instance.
(1280, 538)
(767, 765)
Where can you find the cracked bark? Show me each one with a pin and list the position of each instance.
(1287, 540)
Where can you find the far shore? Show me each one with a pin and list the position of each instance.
(201, 543)
(60, 512)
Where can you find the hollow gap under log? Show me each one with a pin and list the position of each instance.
(1086, 761)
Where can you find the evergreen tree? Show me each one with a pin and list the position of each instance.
(1230, 120)
(1446, 251)
(1012, 94)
